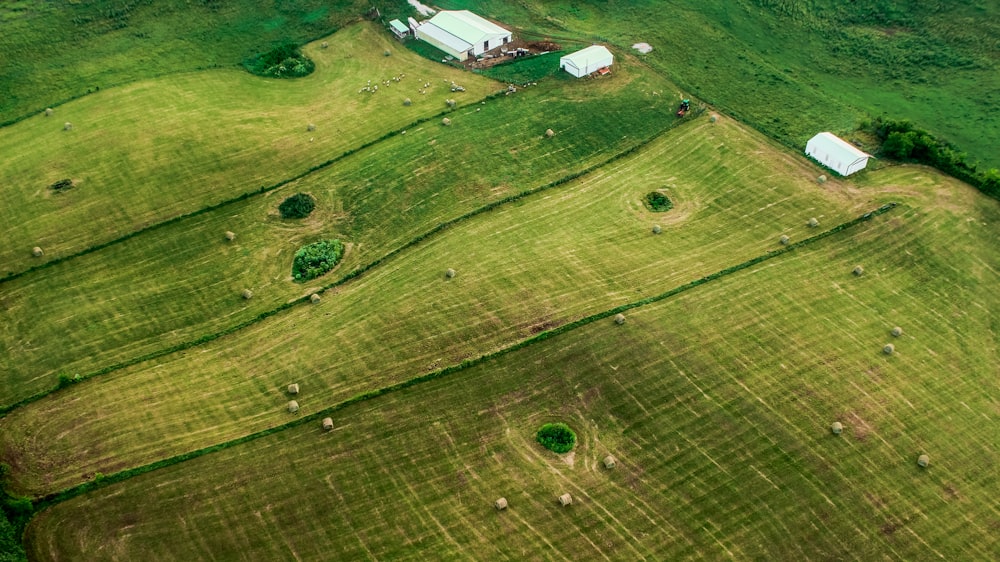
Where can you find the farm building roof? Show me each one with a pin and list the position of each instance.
(399, 26)
(843, 149)
(464, 27)
(591, 53)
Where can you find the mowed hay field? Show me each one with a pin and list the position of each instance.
(156, 149)
(716, 403)
(523, 268)
(183, 281)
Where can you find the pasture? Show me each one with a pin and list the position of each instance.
(722, 436)
(495, 278)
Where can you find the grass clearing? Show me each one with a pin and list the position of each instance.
(721, 436)
(376, 200)
(597, 225)
(179, 143)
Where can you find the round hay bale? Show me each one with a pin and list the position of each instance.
(888, 349)
(230, 235)
(407, 101)
(565, 499)
(821, 179)
(37, 252)
(784, 240)
(328, 424)
(657, 229)
(247, 294)
(48, 112)
(713, 118)
(897, 331)
(500, 504)
(446, 122)
(813, 223)
(609, 462)
(311, 127)
(293, 406)
(293, 388)
(315, 298)
(449, 273)
(837, 428)
(450, 102)
(858, 270)
(923, 461)
(324, 44)
(550, 133)
(387, 53)
(67, 126)
(619, 318)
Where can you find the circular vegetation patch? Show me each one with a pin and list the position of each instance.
(297, 206)
(657, 202)
(283, 61)
(316, 259)
(556, 437)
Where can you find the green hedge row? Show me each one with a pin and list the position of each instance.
(69, 493)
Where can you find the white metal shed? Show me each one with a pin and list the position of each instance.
(585, 61)
(837, 154)
(461, 33)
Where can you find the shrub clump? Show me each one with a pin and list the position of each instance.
(297, 206)
(283, 61)
(316, 259)
(658, 202)
(556, 437)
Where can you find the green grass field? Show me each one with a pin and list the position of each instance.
(715, 392)
(722, 437)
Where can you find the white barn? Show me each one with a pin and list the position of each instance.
(585, 61)
(460, 33)
(837, 154)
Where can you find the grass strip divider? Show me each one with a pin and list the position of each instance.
(241, 197)
(103, 481)
(354, 274)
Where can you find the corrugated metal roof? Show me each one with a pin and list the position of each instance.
(466, 25)
(454, 43)
(583, 57)
(836, 145)
(398, 26)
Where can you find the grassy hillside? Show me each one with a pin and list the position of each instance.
(721, 435)
(377, 200)
(547, 260)
(154, 150)
(796, 68)
(53, 52)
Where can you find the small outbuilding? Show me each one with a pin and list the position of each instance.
(398, 29)
(462, 34)
(587, 61)
(837, 154)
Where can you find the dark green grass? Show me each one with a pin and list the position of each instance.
(50, 52)
(793, 69)
(530, 69)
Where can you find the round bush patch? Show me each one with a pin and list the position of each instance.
(556, 437)
(316, 259)
(657, 202)
(298, 206)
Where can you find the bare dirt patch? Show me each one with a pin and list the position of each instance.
(517, 48)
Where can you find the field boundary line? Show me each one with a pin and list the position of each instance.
(101, 481)
(358, 272)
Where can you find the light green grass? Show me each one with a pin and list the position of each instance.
(157, 149)
(716, 403)
(106, 307)
(552, 258)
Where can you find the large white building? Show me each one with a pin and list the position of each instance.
(837, 154)
(461, 34)
(586, 61)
